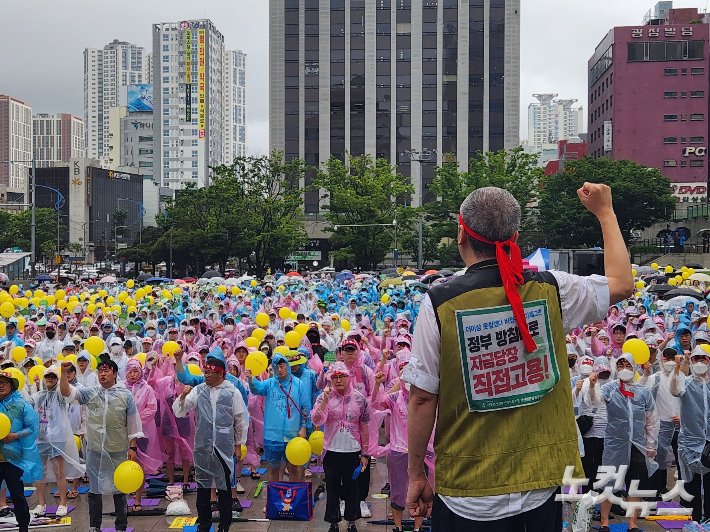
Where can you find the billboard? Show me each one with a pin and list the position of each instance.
(140, 98)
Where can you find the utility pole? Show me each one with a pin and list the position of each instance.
(33, 224)
(422, 157)
(170, 268)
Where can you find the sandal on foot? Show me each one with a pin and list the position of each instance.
(72, 494)
(255, 475)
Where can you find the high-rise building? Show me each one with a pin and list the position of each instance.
(382, 77)
(118, 64)
(235, 105)
(648, 96)
(57, 138)
(552, 120)
(148, 71)
(188, 82)
(15, 146)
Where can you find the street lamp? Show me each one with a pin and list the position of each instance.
(140, 215)
(425, 156)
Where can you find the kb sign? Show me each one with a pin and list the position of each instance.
(700, 151)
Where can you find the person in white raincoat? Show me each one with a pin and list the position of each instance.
(56, 444)
(694, 428)
(113, 425)
(630, 437)
(86, 375)
(221, 428)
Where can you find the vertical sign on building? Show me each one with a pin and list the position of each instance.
(607, 135)
(201, 82)
(188, 75)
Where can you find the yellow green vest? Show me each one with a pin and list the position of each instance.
(505, 451)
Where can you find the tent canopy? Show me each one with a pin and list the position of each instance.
(540, 258)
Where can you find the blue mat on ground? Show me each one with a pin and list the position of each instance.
(81, 489)
(247, 471)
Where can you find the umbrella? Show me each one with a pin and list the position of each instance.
(658, 278)
(685, 292)
(429, 272)
(43, 277)
(284, 280)
(687, 233)
(419, 286)
(428, 279)
(665, 287)
(108, 279)
(703, 277)
(388, 271)
(189, 279)
(158, 280)
(446, 273)
(216, 280)
(345, 275)
(143, 276)
(663, 232)
(390, 282)
(702, 231)
(180, 281)
(294, 274)
(694, 265)
(209, 274)
(678, 301)
(645, 269)
(409, 273)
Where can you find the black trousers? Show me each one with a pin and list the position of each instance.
(693, 488)
(593, 451)
(12, 475)
(363, 482)
(659, 480)
(544, 518)
(224, 503)
(96, 508)
(339, 485)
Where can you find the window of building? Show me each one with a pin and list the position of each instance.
(194, 142)
(166, 79)
(697, 71)
(683, 140)
(670, 94)
(670, 71)
(697, 94)
(194, 175)
(670, 118)
(194, 153)
(166, 48)
(697, 117)
(697, 163)
(166, 37)
(683, 164)
(697, 140)
(670, 140)
(194, 164)
(670, 163)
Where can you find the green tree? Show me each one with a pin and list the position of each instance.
(641, 196)
(75, 249)
(18, 230)
(362, 193)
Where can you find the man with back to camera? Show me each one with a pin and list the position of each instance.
(505, 427)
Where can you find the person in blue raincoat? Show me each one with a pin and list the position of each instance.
(187, 378)
(693, 391)
(286, 415)
(630, 437)
(11, 334)
(19, 458)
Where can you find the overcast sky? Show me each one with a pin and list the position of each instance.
(42, 57)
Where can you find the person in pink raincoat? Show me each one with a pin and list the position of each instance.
(344, 415)
(150, 455)
(177, 435)
(397, 402)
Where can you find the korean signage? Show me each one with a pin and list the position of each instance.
(118, 175)
(698, 151)
(304, 255)
(188, 100)
(668, 31)
(608, 135)
(689, 192)
(498, 371)
(188, 75)
(201, 83)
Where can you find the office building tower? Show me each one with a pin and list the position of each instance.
(188, 84)
(552, 120)
(235, 102)
(15, 146)
(383, 77)
(118, 64)
(57, 138)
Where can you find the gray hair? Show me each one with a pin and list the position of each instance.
(494, 214)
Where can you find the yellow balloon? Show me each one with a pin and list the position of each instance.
(50, 300)
(262, 320)
(691, 271)
(316, 441)
(110, 300)
(669, 269)
(122, 297)
(176, 290)
(2, 328)
(236, 290)
(70, 358)
(281, 349)
(91, 308)
(73, 299)
(128, 476)
(385, 298)
(18, 375)
(4, 425)
(638, 294)
(292, 339)
(257, 362)
(685, 275)
(141, 358)
(638, 349)
(20, 323)
(294, 315)
(102, 293)
(38, 360)
(634, 272)
(166, 294)
(170, 347)
(301, 329)
(14, 289)
(24, 302)
(253, 283)
(28, 294)
(243, 450)
(60, 356)
(77, 439)
(130, 283)
(39, 293)
(221, 289)
(94, 345)
(284, 313)
(678, 278)
(194, 369)
(19, 354)
(7, 309)
(298, 451)
(259, 334)
(640, 284)
(654, 265)
(672, 282)
(36, 371)
(684, 269)
(140, 293)
(252, 342)
(129, 302)
(345, 324)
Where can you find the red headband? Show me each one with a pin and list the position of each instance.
(214, 367)
(511, 271)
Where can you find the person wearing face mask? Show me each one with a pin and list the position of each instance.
(117, 354)
(630, 411)
(572, 358)
(668, 414)
(694, 427)
(151, 330)
(50, 347)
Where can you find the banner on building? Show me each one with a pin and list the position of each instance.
(607, 135)
(201, 82)
(188, 75)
